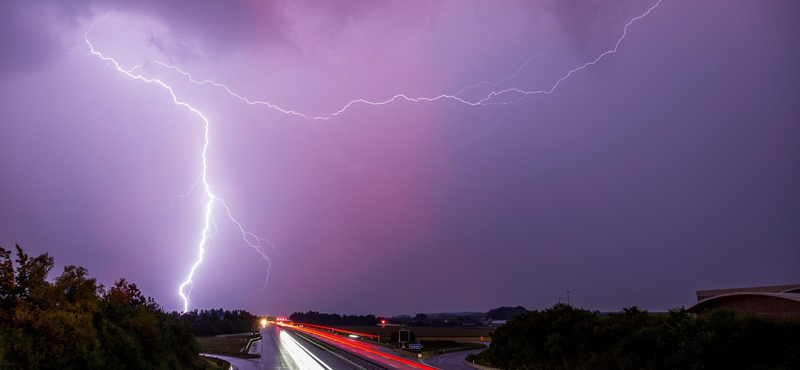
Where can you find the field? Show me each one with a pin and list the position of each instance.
(228, 346)
(214, 364)
(429, 332)
(446, 345)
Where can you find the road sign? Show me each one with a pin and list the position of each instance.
(405, 336)
(415, 346)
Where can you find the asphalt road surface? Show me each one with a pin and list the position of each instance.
(450, 361)
(280, 349)
(288, 348)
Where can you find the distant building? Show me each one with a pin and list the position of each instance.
(497, 322)
(705, 294)
(776, 301)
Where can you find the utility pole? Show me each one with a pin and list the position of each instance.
(568, 298)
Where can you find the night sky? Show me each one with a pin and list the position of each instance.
(668, 166)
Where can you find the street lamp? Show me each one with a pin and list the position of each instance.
(383, 325)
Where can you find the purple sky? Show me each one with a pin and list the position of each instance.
(670, 166)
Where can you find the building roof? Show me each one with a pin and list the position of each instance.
(765, 303)
(705, 294)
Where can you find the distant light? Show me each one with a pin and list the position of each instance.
(263, 323)
(353, 336)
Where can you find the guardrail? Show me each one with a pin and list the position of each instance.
(478, 367)
(250, 343)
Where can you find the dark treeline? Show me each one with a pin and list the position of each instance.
(327, 319)
(505, 313)
(564, 337)
(216, 322)
(75, 323)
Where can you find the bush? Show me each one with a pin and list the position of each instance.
(74, 323)
(564, 337)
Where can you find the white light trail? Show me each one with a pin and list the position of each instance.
(301, 356)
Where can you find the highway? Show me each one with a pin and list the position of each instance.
(280, 349)
(447, 361)
(371, 352)
(306, 349)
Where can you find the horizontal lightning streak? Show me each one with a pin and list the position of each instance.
(494, 84)
(574, 70)
(610, 18)
(258, 243)
(455, 97)
(246, 100)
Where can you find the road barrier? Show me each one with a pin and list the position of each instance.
(478, 367)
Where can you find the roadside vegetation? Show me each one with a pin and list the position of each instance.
(76, 323)
(437, 347)
(565, 337)
(429, 333)
(328, 319)
(234, 346)
(228, 346)
(218, 322)
(215, 364)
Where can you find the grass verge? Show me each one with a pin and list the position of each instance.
(214, 363)
(437, 347)
(227, 346)
(430, 332)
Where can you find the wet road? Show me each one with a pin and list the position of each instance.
(280, 349)
(289, 348)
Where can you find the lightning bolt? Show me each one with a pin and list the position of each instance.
(619, 13)
(522, 93)
(210, 200)
(494, 94)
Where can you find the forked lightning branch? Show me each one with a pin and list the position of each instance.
(211, 203)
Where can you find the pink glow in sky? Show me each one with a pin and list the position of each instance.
(669, 166)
